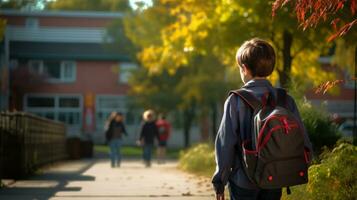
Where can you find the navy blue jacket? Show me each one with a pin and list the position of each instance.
(149, 132)
(228, 165)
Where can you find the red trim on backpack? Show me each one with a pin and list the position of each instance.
(262, 142)
(287, 127)
(306, 155)
(247, 151)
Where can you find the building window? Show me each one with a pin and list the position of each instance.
(125, 71)
(31, 23)
(14, 64)
(349, 83)
(55, 71)
(66, 109)
(105, 105)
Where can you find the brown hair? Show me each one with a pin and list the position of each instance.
(258, 56)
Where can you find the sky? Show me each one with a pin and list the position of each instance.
(146, 2)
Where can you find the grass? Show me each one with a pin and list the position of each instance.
(198, 160)
(135, 151)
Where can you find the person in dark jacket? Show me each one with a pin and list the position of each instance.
(256, 60)
(115, 131)
(149, 132)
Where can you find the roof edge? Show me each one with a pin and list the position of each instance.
(48, 13)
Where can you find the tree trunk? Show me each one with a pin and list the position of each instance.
(355, 101)
(204, 127)
(284, 74)
(187, 123)
(214, 121)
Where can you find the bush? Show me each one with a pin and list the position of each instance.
(322, 131)
(333, 178)
(198, 159)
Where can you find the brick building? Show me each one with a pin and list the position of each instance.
(80, 80)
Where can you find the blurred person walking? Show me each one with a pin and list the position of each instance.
(115, 131)
(164, 128)
(148, 133)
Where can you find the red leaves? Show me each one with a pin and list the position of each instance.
(324, 87)
(342, 31)
(311, 12)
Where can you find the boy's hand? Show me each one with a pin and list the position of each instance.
(220, 196)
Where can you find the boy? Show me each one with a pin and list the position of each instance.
(256, 61)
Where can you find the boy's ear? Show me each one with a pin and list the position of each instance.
(244, 69)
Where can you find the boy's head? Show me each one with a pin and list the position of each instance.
(256, 58)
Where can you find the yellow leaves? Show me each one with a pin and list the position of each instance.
(345, 55)
(306, 67)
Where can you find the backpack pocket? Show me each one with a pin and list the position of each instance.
(283, 173)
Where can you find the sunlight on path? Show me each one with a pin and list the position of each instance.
(96, 180)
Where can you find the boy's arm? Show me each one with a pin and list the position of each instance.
(296, 112)
(225, 145)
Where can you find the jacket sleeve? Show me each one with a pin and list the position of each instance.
(142, 131)
(226, 141)
(124, 129)
(296, 112)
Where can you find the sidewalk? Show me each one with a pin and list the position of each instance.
(94, 179)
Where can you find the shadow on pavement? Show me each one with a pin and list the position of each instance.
(47, 184)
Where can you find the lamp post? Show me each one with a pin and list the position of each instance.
(355, 101)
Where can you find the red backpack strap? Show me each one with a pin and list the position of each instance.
(248, 98)
(281, 99)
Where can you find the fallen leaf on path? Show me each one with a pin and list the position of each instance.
(187, 194)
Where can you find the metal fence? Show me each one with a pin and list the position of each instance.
(27, 142)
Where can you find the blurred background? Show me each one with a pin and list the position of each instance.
(77, 61)
(65, 65)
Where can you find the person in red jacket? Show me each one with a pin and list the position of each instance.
(164, 128)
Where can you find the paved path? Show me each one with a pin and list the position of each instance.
(94, 179)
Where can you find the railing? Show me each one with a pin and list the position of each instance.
(27, 142)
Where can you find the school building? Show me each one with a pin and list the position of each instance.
(77, 78)
(62, 65)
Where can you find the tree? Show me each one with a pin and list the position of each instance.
(310, 13)
(200, 86)
(219, 27)
(92, 5)
(24, 4)
(203, 37)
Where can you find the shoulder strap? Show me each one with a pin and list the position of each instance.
(281, 97)
(248, 98)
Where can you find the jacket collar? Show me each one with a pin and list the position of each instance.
(257, 83)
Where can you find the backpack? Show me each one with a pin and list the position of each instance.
(275, 156)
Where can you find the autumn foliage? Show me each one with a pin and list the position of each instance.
(311, 12)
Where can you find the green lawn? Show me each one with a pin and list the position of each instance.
(135, 152)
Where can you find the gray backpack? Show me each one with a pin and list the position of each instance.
(275, 156)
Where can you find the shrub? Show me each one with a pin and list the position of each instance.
(322, 131)
(198, 159)
(333, 178)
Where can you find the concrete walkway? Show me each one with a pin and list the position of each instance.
(94, 179)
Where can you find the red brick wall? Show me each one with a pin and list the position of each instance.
(95, 77)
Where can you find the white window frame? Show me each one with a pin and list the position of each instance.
(31, 68)
(125, 70)
(62, 78)
(56, 109)
(99, 123)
